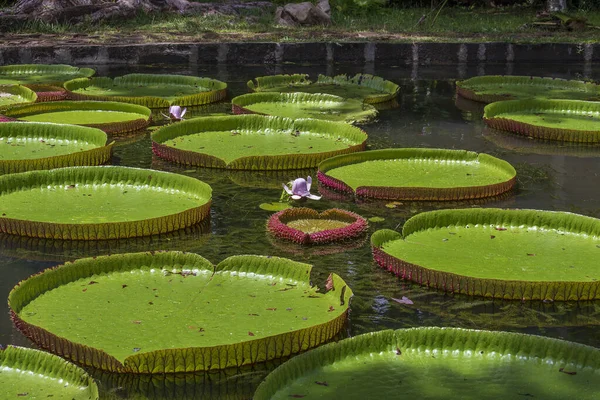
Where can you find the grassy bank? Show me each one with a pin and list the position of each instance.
(388, 24)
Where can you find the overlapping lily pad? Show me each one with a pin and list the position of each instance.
(150, 90)
(11, 95)
(170, 312)
(488, 89)
(29, 74)
(111, 117)
(255, 142)
(509, 254)
(368, 88)
(304, 105)
(97, 203)
(34, 374)
(418, 174)
(49, 92)
(564, 120)
(439, 363)
(29, 146)
(307, 226)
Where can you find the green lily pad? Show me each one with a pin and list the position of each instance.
(96, 203)
(418, 174)
(274, 206)
(368, 88)
(150, 90)
(255, 142)
(439, 363)
(510, 254)
(111, 117)
(34, 374)
(304, 105)
(27, 74)
(11, 95)
(29, 146)
(247, 309)
(564, 120)
(488, 89)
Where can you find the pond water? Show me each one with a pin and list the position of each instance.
(551, 176)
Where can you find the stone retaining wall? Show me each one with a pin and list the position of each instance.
(305, 53)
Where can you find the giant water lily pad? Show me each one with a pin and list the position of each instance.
(488, 89)
(34, 374)
(307, 226)
(175, 312)
(255, 142)
(111, 117)
(11, 95)
(304, 105)
(564, 120)
(27, 74)
(418, 174)
(368, 88)
(95, 203)
(29, 146)
(150, 90)
(510, 254)
(439, 363)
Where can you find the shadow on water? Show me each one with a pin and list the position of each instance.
(424, 115)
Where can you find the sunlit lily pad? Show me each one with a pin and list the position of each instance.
(564, 120)
(11, 95)
(365, 87)
(28, 74)
(96, 203)
(439, 363)
(307, 226)
(150, 90)
(510, 254)
(274, 206)
(304, 105)
(29, 146)
(418, 174)
(488, 89)
(255, 142)
(246, 310)
(111, 117)
(33, 374)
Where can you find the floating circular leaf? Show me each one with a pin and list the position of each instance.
(368, 88)
(111, 117)
(48, 92)
(255, 142)
(307, 226)
(34, 374)
(11, 95)
(96, 203)
(27, 74)
(29, 146)
(509, 254)
(150, 90)
(169, 312)
(488, 89)
(418, 174)
(304, 105)
(274, 206)
(565, 120)
(439, 363)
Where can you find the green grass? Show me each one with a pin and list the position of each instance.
(400, 25)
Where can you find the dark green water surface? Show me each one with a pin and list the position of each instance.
(551, 176)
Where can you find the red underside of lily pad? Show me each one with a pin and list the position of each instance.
(279, 225)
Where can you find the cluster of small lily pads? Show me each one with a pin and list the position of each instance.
(57, 127)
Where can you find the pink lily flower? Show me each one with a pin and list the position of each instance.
(176, 113)
(301, 189)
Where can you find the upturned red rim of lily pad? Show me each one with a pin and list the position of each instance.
(352, 225)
